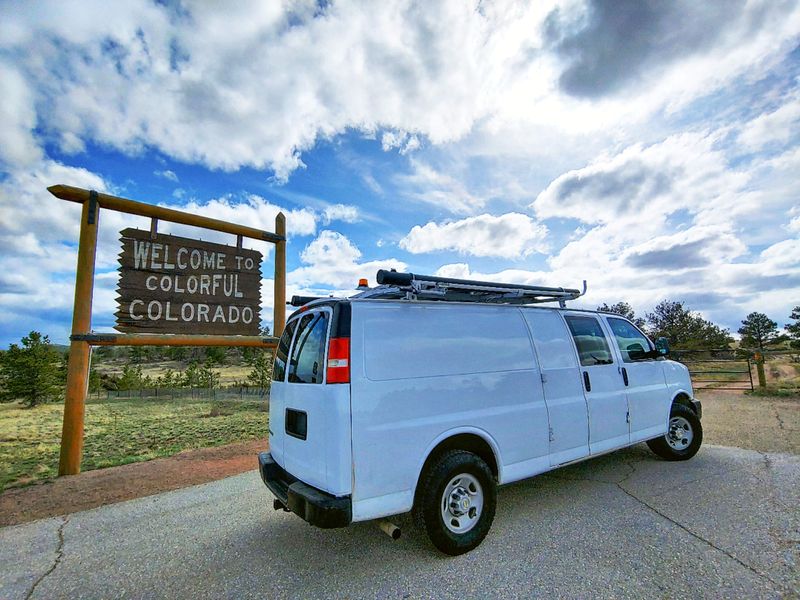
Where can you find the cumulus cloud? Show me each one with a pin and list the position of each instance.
(257, 85)
(607, 46)
(775, 127)
(613, 42)
(331, 265)
(682, 171)
(512, 235)
(695, 247)
(18, 145)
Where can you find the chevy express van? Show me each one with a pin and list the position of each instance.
(424, 394)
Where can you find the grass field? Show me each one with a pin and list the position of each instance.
(120, 431)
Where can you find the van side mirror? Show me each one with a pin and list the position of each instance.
(662, 346)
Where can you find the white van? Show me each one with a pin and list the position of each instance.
(426, 393)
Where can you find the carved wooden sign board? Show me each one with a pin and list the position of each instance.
(171, 284)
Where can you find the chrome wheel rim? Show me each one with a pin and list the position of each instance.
(680, 433)
(462, 503)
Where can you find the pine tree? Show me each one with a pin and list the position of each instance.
(758, 331)
(793, 329)
(31, 372)
(685, 329)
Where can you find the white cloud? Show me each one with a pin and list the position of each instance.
(332, 265)
(340, 212)
(683, 171)
(166, 174)
(426, 184)
(512, 235)
(256, 84)
(777, 126)
(17, 119)
(402, 140)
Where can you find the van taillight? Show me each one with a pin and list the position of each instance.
(339, 360)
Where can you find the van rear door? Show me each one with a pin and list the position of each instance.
(310, 418)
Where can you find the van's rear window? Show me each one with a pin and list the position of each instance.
(282, 355)
(308, 353)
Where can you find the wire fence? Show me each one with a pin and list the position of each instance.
(232, 393)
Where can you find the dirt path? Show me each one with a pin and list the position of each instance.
(115, 484)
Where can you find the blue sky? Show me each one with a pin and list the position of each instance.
(649, 148)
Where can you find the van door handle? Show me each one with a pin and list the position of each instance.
(586, 383)
(625, 375)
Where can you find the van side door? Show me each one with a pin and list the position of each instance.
(602, 384)
(563, 391)
(643, 376)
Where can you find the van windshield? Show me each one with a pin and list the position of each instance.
(308, 352)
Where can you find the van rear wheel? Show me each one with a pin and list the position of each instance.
(683, 438)
(456, 501)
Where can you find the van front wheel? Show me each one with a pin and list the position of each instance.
(683, 438)
(456, 501)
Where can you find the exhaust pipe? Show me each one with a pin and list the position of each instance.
(390, 529)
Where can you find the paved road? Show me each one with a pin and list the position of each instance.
(625, 525)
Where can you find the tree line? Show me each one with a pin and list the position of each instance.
(34, 371)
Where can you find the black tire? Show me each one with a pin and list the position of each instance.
(430, 491)
(661, 444)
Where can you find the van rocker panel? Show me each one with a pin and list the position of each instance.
(312, 505)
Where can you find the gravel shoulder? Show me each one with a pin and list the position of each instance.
(756, 423)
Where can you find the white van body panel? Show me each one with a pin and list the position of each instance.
(420, 370)
(567, 409)
(423, 372)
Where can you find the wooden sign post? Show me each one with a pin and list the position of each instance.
(172, 292)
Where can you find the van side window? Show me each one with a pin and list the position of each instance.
(632, 343)
(589, 339)
(282, 355)
(308, 353)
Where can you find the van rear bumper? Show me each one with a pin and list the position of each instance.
(312, 505)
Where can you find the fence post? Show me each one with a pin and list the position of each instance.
(762, 378)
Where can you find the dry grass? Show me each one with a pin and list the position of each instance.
(121, 431)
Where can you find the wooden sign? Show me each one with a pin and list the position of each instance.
(171, 284)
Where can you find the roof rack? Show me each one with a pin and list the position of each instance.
(394, 285)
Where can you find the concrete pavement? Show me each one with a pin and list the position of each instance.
(725, 524)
